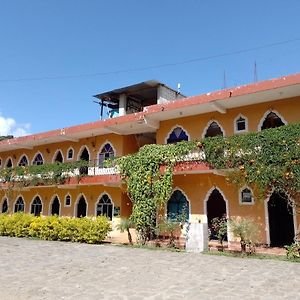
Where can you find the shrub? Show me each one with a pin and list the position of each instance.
(86, 230)
(125, 225)
(247, 230)
(219, 227)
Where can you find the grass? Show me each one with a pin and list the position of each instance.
(252, 256)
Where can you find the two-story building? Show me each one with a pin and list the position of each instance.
(152, 113)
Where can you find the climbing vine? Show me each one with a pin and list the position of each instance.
(149, 185)
(46, 174)
(267, 160)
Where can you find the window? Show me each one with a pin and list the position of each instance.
(68, 200)
(84, 156)
(36, 206)
(272, 121)
(107, 152)
(4, 206)
(240, 124)
(178, 207)
(177, 135)
(38, 160)
(0, 162)
(70, 154)
(19, 205)
(213, 130)
(9, 163)
(104, 207)
(23, 161)
(246, 196)
(58, 157)
(55, 206)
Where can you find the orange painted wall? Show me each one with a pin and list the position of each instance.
(195, 126)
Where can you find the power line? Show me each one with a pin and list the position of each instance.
(205, 58)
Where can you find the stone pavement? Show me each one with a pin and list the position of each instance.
(33, 269)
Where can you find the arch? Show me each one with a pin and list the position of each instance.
(240, 124)
(81, 206)
(246, 196)
(19, 205)
(36, 206)
(84, 154)
(215, 208)
(68, 200)
(271, 119)
(70, 153)
(177, 205)
(9, 162)
(58, 157)
(38, 159)
(177, 134)
(23, 161)
(280, 217)
(104, 206)
(107, 151)
(54, 208)
(4, 205)
(213, 128)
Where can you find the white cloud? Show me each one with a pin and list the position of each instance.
(8, 126)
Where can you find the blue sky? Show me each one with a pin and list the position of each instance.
(68, 40)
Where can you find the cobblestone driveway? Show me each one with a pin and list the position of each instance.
(32, 269)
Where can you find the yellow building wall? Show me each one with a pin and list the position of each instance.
(122, 145)
(196, 126)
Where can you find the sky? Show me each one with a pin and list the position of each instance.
(55, 55)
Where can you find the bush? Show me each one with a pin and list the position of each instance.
(247, 230)
(219, 227)
(85, 230)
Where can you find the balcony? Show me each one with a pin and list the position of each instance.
(75, 173)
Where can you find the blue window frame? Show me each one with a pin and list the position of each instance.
(177, 135)
(178, 207)
(19, 206)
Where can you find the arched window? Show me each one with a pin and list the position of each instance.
(213, 130)
(23, 161)
(70, 154)
(4, 206)
(246, 196)
(58, 157)
(177, 135)
(19, 205)
(38, 160)
(86, 157)
(55, 206)
(81, 207)
(9, 163)
(104, 207)
(271, 121)
(0, 162)
(68, 200)
(178, 207)
(107, 152)
(240, 124)
(36, 206)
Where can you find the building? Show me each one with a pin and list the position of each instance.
(149, 113)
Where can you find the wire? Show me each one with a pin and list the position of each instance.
(205, 58)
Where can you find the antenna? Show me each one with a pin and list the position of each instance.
(255, 72)
(178, 88)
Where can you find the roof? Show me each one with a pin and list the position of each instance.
(148, 120)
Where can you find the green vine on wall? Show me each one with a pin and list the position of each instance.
(267, 160)
(149, 187)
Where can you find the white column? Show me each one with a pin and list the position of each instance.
(122, 105)
(197, 238)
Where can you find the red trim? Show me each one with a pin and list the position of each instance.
(195, 100)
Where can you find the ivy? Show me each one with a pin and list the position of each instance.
(149, 187)
(267, 160)
(46, 174)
